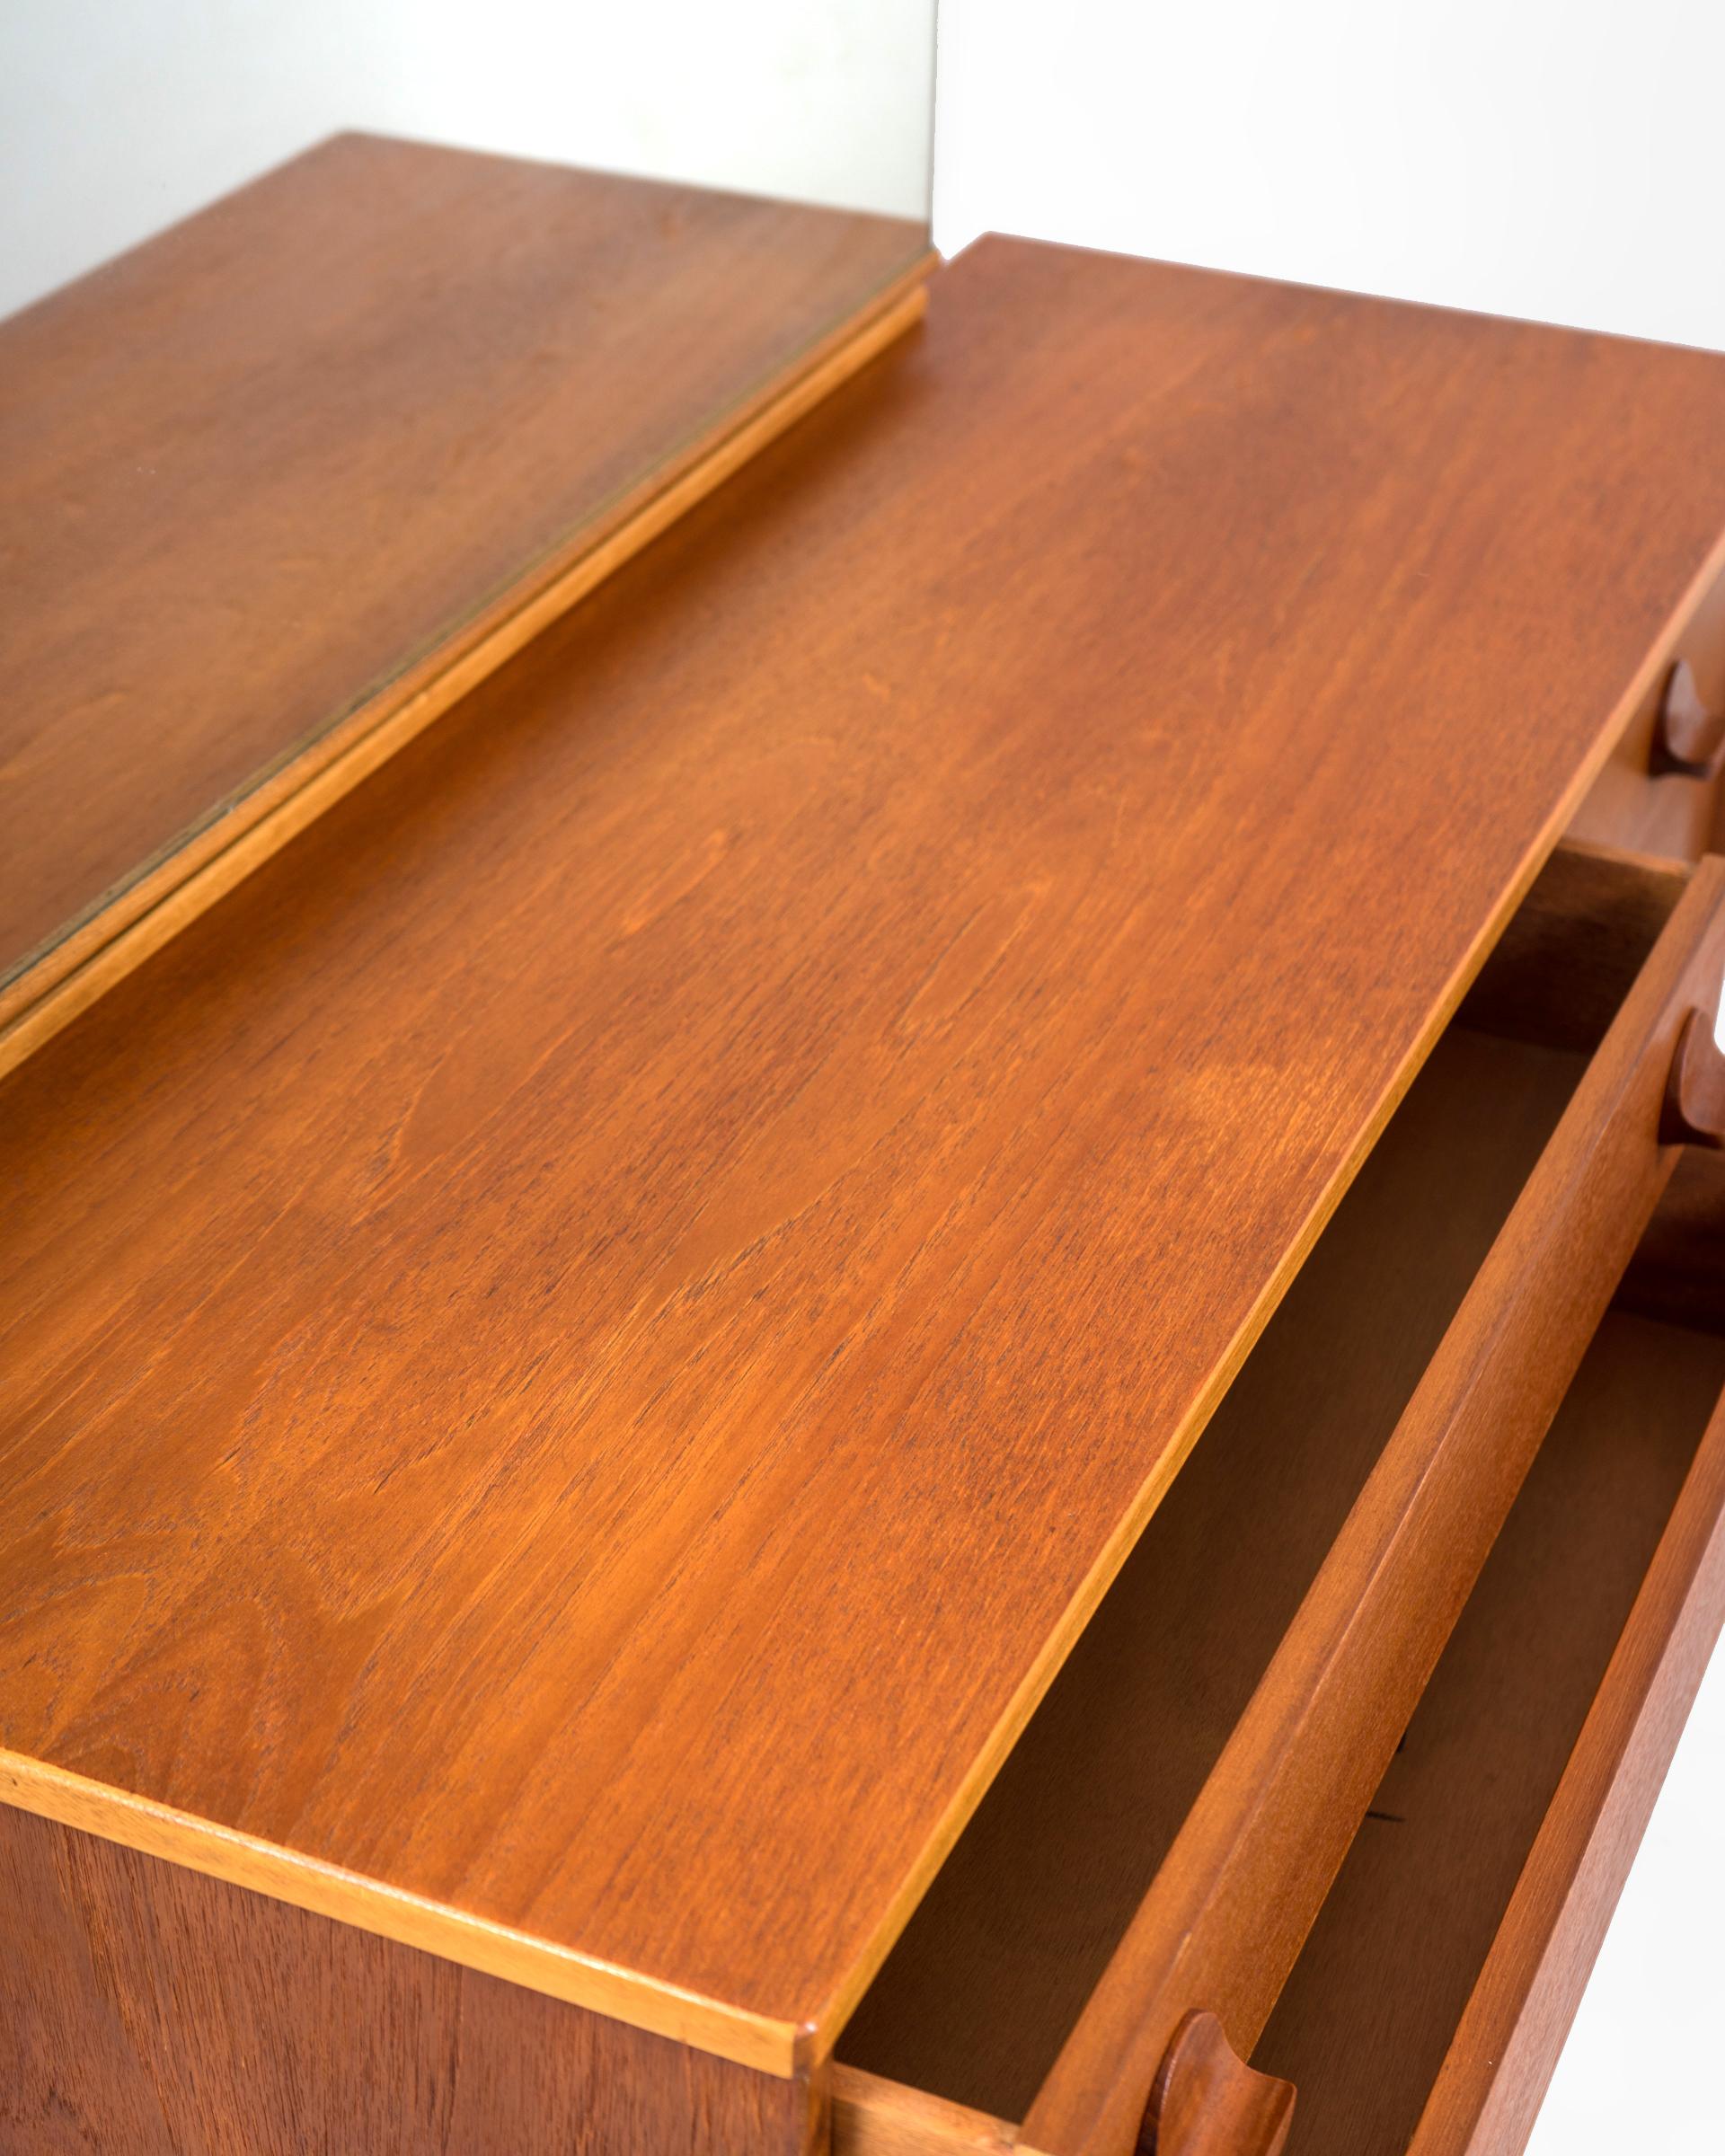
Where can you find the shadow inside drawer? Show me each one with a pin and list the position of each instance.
(997, 1963)
(1365, 2020)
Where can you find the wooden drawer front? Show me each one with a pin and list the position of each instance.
(1636, 804)
(1239, 1901)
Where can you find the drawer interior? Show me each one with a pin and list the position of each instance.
(996, 1963)
(1368, 2013)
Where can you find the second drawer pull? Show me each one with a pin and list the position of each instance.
(1206, 2101)
(1688, 739)
(1694, 1095)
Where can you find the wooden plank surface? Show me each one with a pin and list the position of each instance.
(267, 473)
(580, 1350)
(147, 2012)
(137, 919)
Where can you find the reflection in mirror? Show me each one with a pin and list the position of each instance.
(344, 345)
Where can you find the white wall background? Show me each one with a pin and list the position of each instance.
(119, 116)
(1559, 159)
(1639, 2074)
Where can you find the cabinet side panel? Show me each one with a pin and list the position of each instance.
(147, 2011)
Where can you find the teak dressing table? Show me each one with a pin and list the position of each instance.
(925, 1356)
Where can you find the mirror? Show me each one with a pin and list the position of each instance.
(344, 345)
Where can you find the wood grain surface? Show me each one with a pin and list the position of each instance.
(1365, 2023)
(147, 2012)
(583, 1346)
(273, 465)
(137, 918)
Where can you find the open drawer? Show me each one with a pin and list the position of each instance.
(1355, 1753)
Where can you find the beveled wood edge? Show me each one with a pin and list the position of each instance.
(71, 974)
(1091, 2100)
(1082, 1606)
(874, 2117)
(778, 2048)
(1499, 2063)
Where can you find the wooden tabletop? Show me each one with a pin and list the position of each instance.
(576, 1352)
(271, 459)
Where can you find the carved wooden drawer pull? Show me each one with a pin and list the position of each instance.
(1695, 1094)
(1206, 2101)
(1688, 739)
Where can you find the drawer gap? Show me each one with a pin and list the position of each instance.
(1575, 945)
(1678, 1272)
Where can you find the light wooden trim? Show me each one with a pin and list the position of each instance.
(873, 2116)
(70, 975)
(411, 1920)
